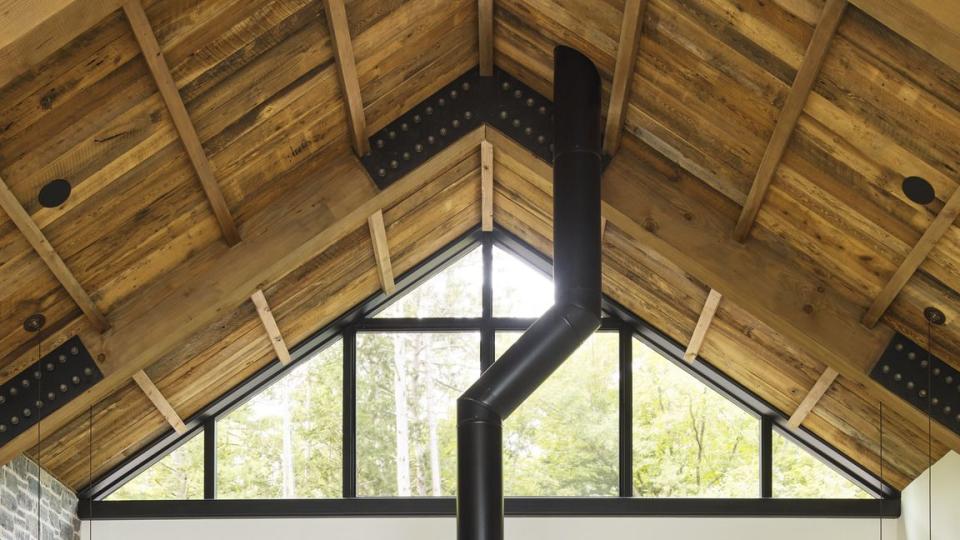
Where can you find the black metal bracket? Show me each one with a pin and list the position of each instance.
(465, 104)
(36, 392)
(925, 381)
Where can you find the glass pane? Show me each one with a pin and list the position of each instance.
(688, 441)
(178, 476)
(407, 390)
(287, 441)
(519, 290)
(454, 292)
(797, 474)
(564, 440)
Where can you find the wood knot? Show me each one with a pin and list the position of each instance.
(808, 309)
(651, 225)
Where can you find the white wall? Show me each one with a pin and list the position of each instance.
(516, 529)
(916, 519)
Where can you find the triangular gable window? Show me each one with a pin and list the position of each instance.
(421, 350)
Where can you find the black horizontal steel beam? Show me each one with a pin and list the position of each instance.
(514, 506)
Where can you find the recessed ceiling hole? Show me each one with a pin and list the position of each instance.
(55, 193)
(34, 322)
(918, 190)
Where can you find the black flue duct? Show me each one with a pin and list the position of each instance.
(575, 315)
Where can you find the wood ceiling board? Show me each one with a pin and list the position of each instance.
(931, 24)
(38, 31)
(411, 53)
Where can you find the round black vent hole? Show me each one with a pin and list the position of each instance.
(34, 322)
(55, 193)
(918, 190)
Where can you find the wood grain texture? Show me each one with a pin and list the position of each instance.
(918, 254)
(486, 186)
(812, 398)
(51, 258)
(630, 30)
(703, 325)
(270, 326)
(163, 406)
(792, 108)
(181, 119)
(933, 25)
(485, 22)
(381, 252)
(347, 70)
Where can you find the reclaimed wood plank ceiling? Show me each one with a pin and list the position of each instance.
(809, 290)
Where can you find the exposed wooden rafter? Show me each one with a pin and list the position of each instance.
(486, 186)
(181, 119)
(812, 398)
(703, 324)
(381, 252)
(26, 225)
(603, 228)
(485, 21)
(792, 108)
(149, 327)
(630, 29)
(940, 225)
(156, 397)
(347, 71)
(270, 325)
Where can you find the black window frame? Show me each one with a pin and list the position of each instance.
(362, 318)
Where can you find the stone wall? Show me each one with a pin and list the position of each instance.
(18, 505)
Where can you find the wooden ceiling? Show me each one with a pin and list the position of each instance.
(758, 147)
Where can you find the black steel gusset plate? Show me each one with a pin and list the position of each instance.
(470, 101)
(927, 382)
(36, 392)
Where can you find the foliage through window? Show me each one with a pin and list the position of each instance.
(407, 389)
(408, 364)
(286, 442)
(693, 442)
(799, 475)
(178, 476)
(563, 440)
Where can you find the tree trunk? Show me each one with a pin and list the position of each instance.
(286, 460)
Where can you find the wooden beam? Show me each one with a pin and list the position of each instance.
(181, 119)
(156, 322)
(485, 21)
(932, 25)
(703, 324)
(812, 398)
(940, 225)
(792, 108)
(20, 218)
(156, 397)
(35, 29)
(630, 28)
(603, 228)
(486, 186)
(270, 325)
(381, 251)
(347, 71)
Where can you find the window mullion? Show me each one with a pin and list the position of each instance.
(487, 335)
(766, 456)
(349, 413)
(626, 411)
(210, 458)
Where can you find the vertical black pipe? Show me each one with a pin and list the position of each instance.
(506, 383)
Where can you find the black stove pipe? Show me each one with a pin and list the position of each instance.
(575, 315)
